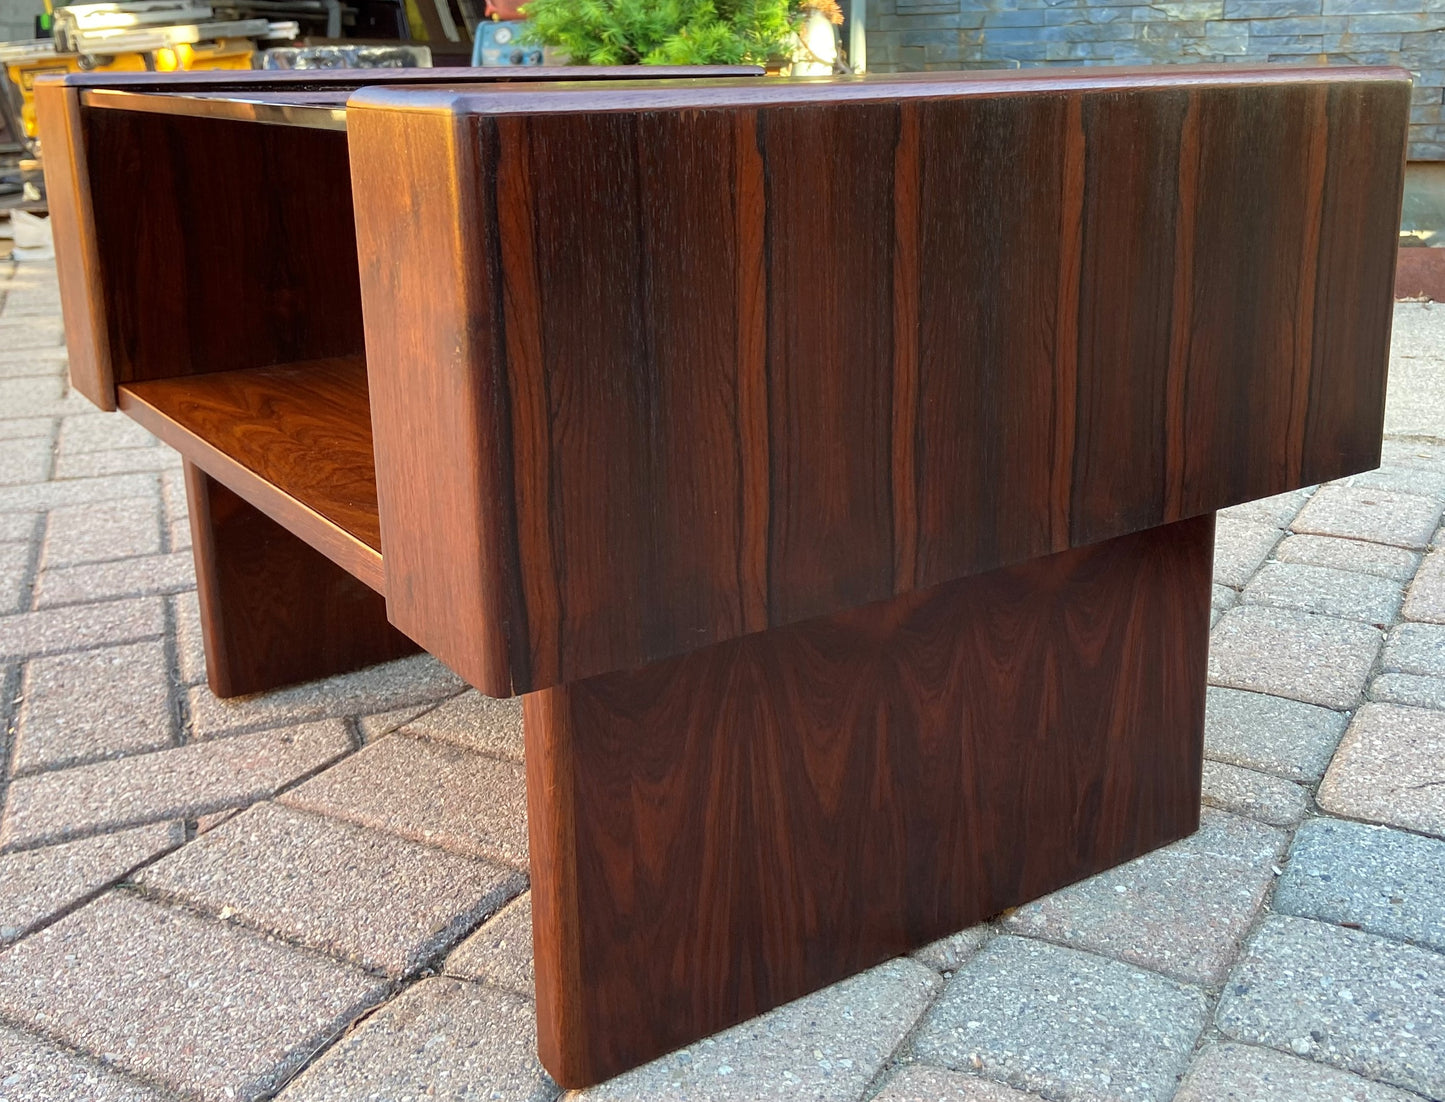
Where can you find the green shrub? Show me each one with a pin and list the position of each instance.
(666, 32)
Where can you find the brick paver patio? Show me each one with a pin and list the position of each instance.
(321, 893)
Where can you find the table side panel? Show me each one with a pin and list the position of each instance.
(735, 367)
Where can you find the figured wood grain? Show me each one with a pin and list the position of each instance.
(718, 833)
(719, 356)
(294, 440)
(275, 611)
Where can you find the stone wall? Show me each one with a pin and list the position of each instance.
(971, 34)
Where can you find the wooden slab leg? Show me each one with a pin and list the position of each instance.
(718, 833)
(273, 610)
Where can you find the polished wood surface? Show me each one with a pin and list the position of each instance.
(718, 833)
(294, 440)
(712, 357)
(275, 611)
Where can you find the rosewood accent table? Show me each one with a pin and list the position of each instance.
(832, 463)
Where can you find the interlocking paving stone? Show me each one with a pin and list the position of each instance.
(108, 530)
(1384, 881)
(190, 644)
(443, 1039)
(1415, 648)
(1242, 1073)
(824, 1047)
(924, 1083)
(420, 679)
(191, 1002)
(17, 527)
(24, 461)
(1406, 688)
(94, 704)
(501, 951)
(1345, 554)
(19, 335)
(1412, 454)
(118, 461)
(948, 954)
(76, 491)
(36, 361)
(1425, 599)
(1353, 1000)
(97, 432)
(21, 427)
(70, 585)
(1222, 597)
(1257, 795)
(1366, 597)
(56, 630)
(1181, 910)
(33, 1071)
(430, 792)
(379, 900)
(1390, 768)
(475, 722)
(1270, 733)
(1366, 513)
(1301, 655)
(1240, 546)
(1064, 1023)
(14, 576)
(373, 727)
(166, 784)
(42, 882)
(1278, 510)
(1423, 481)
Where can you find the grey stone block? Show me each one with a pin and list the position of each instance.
(1277, 511)
(1390, 768)
(1366, 597)
(77, 491)
(42, 882)
(1422, 481)
(1181, 910)
(1355, 555)
(100, 432)
(1222, 597)
(825, 1047)
(441, 1038)
(373, 727)
(1242, 1073)
(370, 897)
(1411, 689)
(429, 792)
(948, 954)
(1064, 1023)
(1301, 655)
(1384, 881)
(24, 460)
(1415, 648)
(118, 461)
(1271, 734)
(22, 428)
(925, 1083)
(17, 527)
(71, 585)
(120, 529)
(417, 680)
(190, 1002)
(1425, 599)
(1256, 795)
(475, 722)
(1380, 516)
(55, 630)
(14, 577)
(190, 643)
(1349, 999)
(166, 784)
(1240, 547)
(94, 704)
(33, 1071)
(500, 953)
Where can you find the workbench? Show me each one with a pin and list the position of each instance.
(831, 464)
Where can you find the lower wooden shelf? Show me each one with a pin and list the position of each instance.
(294, 440)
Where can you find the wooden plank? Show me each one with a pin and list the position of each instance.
(274, 611)
(293, 440)
(67, 189)
(892, 333)
(719, 833)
